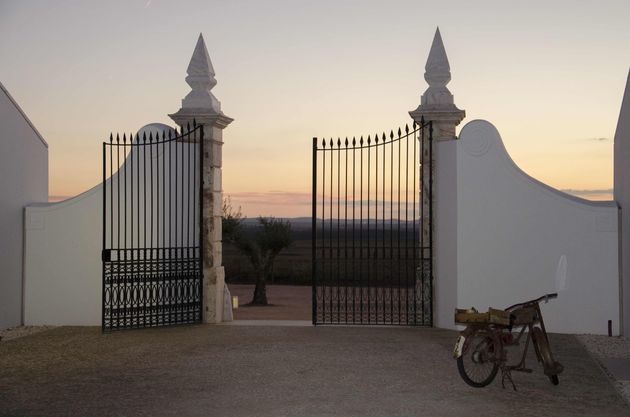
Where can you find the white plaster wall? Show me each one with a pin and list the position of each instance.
(63, 267)
(23, 180)
(512, 231)
(445, 221)
(622, 196)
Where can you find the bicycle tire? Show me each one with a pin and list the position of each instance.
(544, 354)
(480, 349)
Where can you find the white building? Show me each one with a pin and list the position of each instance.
(23, 180)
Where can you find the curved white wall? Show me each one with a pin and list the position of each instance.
(513, 231)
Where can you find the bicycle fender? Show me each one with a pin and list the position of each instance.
(459, 347)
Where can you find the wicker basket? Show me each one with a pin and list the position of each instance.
(492, 316)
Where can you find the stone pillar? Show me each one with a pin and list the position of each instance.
(622, 197)
(203, 107)
(437, 106)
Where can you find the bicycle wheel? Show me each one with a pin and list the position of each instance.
(479, 362)
(543, 351)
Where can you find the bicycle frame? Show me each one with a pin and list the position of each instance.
(523, 316)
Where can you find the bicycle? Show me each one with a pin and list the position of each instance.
(480, 349)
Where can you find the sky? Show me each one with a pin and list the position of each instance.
(549, 75)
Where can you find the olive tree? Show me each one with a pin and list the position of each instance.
(261, 248)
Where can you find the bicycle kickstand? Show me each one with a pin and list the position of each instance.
(507, 374)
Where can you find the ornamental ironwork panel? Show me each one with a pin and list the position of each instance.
(372, 229)
(152, 245)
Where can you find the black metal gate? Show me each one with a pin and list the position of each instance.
(371, 229)
(152, 245)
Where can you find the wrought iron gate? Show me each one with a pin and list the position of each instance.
(152, 246)
(371, 229)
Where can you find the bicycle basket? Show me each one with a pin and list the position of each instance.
(492, 316)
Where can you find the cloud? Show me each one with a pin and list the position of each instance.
(56, 198)
(592, 194)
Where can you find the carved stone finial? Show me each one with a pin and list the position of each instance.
(437, 101)
(200, 104)
(201, 79)
(437, 74)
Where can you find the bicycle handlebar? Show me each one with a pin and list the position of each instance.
(544, 298)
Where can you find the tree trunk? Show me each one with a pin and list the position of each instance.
(260, 292)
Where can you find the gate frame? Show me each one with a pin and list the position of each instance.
(426, 225)
(188, 135)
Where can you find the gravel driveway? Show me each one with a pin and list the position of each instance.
(279, 371)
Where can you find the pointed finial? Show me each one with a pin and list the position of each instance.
(201, 80)
(437, 102)
(438, 70)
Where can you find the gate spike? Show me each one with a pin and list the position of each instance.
(163, 136)
(124, 138)
(111, 138)
(323, 143)
(391, 134)
(399, 132)
(354, 141)
(376, 138)
(187, 128)
(170, 134)
(369, 140)
(144, 137)
(422, 120)
(194, 123)
(414, 125)
(346, 141)
(384, 137)
(332, 143)
(117, 138)
(150, 136)
(361, 141)
(406, 128)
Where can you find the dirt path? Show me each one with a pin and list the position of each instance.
(290, 302)
(248, 371)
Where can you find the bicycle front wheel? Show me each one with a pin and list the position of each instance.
(479, 362)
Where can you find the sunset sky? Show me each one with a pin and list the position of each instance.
(549, 74)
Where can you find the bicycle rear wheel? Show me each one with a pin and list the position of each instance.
(479, 362)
